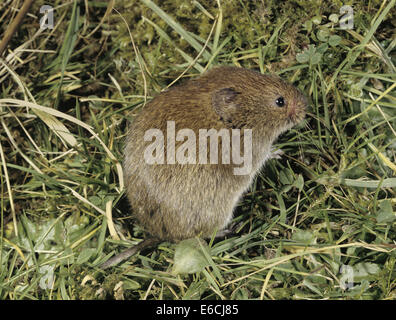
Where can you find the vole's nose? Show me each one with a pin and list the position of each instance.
(296, 111)
(291, 110)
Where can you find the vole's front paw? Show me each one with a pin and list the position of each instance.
(275, 153)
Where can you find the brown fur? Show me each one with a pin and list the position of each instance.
(174, 201)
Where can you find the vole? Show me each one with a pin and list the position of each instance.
(174, 196)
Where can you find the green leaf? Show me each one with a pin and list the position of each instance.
(189, 257)
(95, 200)
(286, 177)
(317, 20)
(385, 214)
(302, 57)
(129, 284)
(323, 35)
(85, 255)
(365, 271)
(312, 287)
(299, 183)
(286, 188)
(334, 40)
(333, 18)
(67, 257)
(308, 25)
(322, 48)
(316, 57)
(304, 236)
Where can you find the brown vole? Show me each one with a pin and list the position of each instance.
(175, 201)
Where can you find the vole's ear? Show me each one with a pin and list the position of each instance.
(224, 103)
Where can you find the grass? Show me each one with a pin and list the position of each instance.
(317, 224)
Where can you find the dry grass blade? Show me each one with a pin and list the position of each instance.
(45, 111)
(9, 189)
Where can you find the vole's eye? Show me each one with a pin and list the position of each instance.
(280, 102)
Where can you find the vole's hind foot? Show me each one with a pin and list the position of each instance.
(231, 229)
